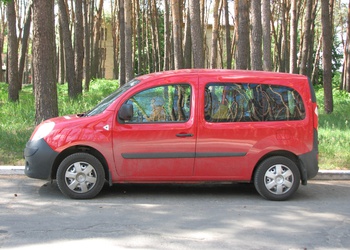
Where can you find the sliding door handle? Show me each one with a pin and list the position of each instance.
(184, 135)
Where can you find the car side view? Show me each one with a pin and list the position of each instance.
(186, 126)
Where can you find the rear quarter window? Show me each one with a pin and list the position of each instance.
(246, 102)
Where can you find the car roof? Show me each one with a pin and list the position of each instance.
(222, 73)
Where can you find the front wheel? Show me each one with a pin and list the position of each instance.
(80, 176)
(277, 178)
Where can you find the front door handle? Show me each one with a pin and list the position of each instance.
(184, 135)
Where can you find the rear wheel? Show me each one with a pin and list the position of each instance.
(80, 176)
(277, 178)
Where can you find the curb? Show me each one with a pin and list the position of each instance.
(332, 175)
(11, 170)
(322, 174)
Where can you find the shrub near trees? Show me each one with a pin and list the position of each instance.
(153, 35)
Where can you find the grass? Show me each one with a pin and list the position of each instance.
(17, 122)
(334, 132)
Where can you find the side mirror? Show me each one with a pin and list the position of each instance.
(126, 112)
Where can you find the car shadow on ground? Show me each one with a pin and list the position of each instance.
(232, 190)
(314, 191)
(50, 189)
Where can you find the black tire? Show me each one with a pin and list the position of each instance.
(277, 178)
(80, 176)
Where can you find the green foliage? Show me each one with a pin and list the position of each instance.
(18, 119)
(334, 131)
(98, 90)
(17, 122)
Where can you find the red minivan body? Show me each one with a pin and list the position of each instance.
(186, 126)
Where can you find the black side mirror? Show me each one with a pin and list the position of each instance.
(126, 112)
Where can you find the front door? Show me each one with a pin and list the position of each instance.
(158, 143)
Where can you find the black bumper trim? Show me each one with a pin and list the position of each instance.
(39, 158)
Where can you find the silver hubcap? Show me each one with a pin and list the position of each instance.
(80, 177)
(278, 179)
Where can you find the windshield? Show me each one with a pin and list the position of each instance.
(99, 108)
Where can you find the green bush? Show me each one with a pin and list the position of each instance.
(334, 131)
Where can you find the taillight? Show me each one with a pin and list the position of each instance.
(315, 108)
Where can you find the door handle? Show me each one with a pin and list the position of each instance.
(184, 135)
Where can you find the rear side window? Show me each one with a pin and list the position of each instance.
(167, 103)
(243, 102)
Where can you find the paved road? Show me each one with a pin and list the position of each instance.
(35, 215)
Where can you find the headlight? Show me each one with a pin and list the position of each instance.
(43, 130)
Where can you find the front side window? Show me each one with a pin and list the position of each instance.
(243, 102)
(167, 103)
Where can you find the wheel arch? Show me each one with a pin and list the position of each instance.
(77, 149)
(286, 154)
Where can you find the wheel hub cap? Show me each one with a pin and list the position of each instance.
(80, 177)
(278, 179)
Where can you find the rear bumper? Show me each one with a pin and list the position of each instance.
(309, 162)
(39, 159)
(309, 166)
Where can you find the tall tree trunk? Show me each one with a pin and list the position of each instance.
(115, 36)
(68, 49)
(187, 42)
(311, 56)
(316, 62)
(346, 64)
(175, 8)
(156, 39)
(87, 45)
(327, 56)
(129, 69)
(12, 50)
(215, 33)
(167, 43)
(2, 35)
(266, 17)
(306, 38)
(26, 31)
(95, 64)
(242, 58)
(79, 46)
(61, 59)
(293, 38)
(122, 43)
(256, 35)
(283, 63)
(139, 38)
(227, 36)
(92, 36)
(196, 34)
(44, 60)
(149, 56)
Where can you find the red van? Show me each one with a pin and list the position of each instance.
(186, 126)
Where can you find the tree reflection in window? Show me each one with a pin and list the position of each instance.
(166, 103)
(233, 102)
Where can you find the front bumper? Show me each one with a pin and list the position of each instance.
(39, 158)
